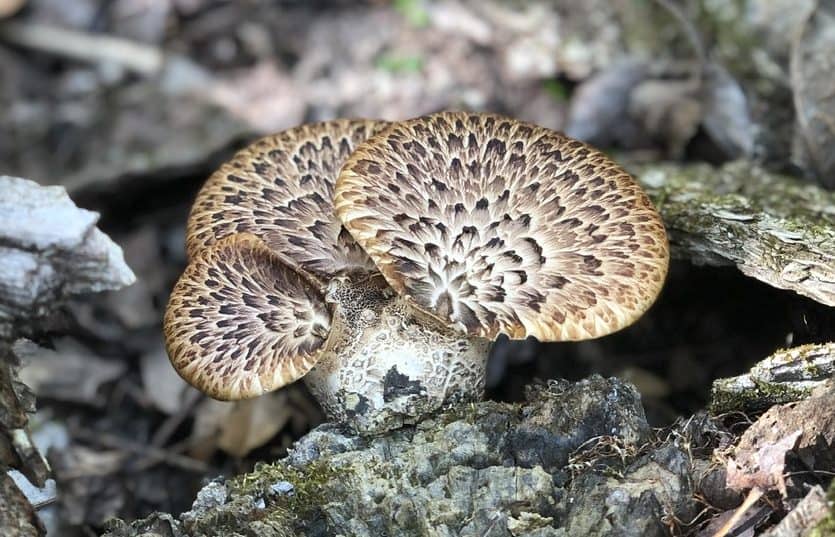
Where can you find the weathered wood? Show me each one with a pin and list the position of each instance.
(772, 227)
(49, 250)
(575, 459)
(787, 375)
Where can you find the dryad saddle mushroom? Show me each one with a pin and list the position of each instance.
(379, 260)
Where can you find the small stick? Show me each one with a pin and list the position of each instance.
(134, 56)
(752, 498)
(116, 442)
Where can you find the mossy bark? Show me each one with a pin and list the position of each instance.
(772, 227)
(575, 459)
(785, 376)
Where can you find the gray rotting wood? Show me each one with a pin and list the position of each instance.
(482, 469)
(772, 227)
(49, 250)
(787, 375)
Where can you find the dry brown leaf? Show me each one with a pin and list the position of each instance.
(238, 428)
(761, 464)
(806, 428)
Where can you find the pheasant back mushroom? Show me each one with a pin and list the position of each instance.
(379, 260)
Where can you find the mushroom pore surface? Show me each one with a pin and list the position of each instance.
(378, 260)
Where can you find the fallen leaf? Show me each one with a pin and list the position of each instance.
(806, 427)
(726, 118)
(761, 463)
(71, 372)
(598, 112)
(238, 428)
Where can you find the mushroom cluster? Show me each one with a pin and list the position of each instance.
(379, 260)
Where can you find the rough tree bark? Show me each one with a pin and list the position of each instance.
(772, 227)
(50, 250)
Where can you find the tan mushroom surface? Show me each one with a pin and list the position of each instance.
(240, 322)
(501, 226)
(245, 317)
(280, 189)
(378, 260)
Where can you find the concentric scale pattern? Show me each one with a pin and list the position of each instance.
(504, 227)
(281, 189)
(378, 260)
(240, 322)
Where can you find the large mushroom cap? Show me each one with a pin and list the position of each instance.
(280, 189)
(240, 322)
(499, 226)
(248, 315)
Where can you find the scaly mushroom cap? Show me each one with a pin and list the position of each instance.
(499, 226)
(248, 315)
(240, 322)
(280, 189)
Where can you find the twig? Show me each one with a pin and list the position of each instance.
(134, 56)
(752, 498)
(163, 434)
(124, 444)
(690, 31)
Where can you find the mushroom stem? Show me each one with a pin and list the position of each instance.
(386, 364)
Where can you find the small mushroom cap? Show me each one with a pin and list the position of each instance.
(240, 322)
(280, 189)
(499, 226)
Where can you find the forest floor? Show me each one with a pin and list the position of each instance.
(130, 105)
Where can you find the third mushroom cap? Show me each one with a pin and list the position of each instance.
(413, 245)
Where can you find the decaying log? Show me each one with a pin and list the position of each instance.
(785, 376)
(49, 250)
(772, 227)
(575, 459)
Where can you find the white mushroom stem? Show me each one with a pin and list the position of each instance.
(386, 365)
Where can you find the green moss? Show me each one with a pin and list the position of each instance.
(556, 90)
(311, 486)
(826, 527)
(762, 396)
(414, 11)
(308, 484)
